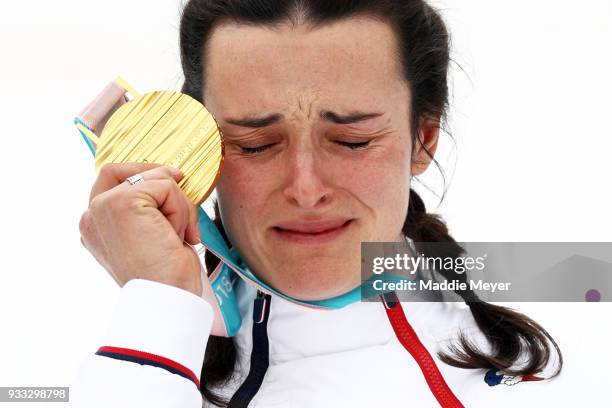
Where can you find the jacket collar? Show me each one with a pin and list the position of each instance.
(297, 332)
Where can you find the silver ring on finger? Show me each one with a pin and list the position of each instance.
(135, 179)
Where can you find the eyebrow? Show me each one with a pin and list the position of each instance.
(353, 117)
(329, 116)
(256, 122)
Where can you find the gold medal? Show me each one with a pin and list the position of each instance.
(164, 127)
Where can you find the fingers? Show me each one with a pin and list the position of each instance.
(160, 186)
(113, 174)
(167, 197)
(188, 231)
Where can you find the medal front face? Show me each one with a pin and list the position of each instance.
(169, 128)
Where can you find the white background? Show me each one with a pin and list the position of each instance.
(531, 161)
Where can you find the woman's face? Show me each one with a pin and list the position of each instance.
(317, 148)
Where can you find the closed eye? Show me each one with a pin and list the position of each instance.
(350, 145)
(353, 145)
(258, 149)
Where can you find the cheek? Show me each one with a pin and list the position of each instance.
(381, 180)
(381, 186)
(241, 192)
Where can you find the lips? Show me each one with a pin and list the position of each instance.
(312, 227)
(312, 232)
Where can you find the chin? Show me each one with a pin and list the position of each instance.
(318, 287)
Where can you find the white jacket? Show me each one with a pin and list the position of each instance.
(348, 357)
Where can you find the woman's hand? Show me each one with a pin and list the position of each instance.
(138, 231)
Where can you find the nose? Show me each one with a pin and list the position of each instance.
(306, 186)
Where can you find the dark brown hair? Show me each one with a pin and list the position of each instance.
(425, 54)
